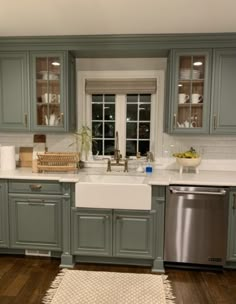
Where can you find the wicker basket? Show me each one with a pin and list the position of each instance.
(57, 161)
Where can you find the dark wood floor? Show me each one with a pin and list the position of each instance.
(24, 280)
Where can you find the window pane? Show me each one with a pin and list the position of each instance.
(97, 129)
(132, 98)
(132, 113)
(143, 147)
(109, 147)
(109, 112)
(144, 112)
(97, 98)
(144, 130)
(131, 130)
(131, 147)
(96, 111)
(145, 98)
(97, 147)
(109, 129)
(110, 98)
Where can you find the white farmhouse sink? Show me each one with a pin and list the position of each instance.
(113, 191)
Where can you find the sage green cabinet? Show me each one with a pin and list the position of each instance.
(35, 222)
(231, 248)
(14, 91)
(4, 235)
(116, 233)
(133, 234)
(91, 232)
(188, 93)
(224, 92)
(35, 214)
(52, 91)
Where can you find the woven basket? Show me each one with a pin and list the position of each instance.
(58, 161)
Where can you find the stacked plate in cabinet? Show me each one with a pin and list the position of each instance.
(189, 74)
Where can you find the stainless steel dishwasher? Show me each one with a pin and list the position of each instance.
(196, 221)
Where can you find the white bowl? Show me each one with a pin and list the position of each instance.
(188, 162)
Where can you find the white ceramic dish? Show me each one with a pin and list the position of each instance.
(46, 75)
(188, 162)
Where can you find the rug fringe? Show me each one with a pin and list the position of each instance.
(170, 298)
(47, 299)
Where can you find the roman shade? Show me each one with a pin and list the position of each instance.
(121, 86)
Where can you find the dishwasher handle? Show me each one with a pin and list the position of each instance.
(221, 192)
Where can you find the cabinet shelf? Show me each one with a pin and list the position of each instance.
(45, 104)
(43, 81)
(192, 105)
(191, 80)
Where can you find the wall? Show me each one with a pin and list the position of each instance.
(211, 147)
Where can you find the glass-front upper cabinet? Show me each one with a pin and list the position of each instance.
(52, 91)
(48, 91)
(189, 96)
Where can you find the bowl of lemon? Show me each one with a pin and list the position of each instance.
(188, 159)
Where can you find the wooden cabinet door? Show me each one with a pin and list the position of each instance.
(133, 234)
(35, 222)
(4, 234)
(14, 91)
(223, 118)
(231, 248)
(91, 232)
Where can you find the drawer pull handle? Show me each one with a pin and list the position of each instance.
(26, 120)
(37, 204)
(234, 202)
(35, 187)
(215, 122)
(175, 121)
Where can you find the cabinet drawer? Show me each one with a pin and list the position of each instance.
(35, 187)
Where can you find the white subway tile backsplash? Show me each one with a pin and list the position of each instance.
(210, 147)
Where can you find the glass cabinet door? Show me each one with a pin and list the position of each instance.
(48, 91)
(190, 91)
(191, 98)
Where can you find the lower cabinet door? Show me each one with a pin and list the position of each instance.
(35, 222)
(4, 239)
(91, 232)
(231, 250)
(133, 234)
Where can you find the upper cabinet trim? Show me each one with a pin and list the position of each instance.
(132, 45)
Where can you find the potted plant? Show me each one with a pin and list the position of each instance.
(83, 142)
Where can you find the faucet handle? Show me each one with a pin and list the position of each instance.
(126, 165)
(150, 156)
(108, 165)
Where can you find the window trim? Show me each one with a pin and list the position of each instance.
(157, 113)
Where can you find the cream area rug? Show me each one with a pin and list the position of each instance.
(96, 287)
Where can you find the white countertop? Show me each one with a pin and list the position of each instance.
(158, 177)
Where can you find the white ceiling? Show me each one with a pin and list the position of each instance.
(85, 17)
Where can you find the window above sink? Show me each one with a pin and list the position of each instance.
(132, 115)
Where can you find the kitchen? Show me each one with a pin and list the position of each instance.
(214, 147)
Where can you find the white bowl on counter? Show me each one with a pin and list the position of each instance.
(188, 162)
